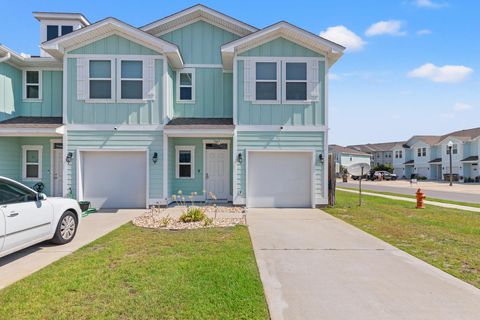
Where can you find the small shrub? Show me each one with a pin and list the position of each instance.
(193, 214)
(207, 221)
(165, 221)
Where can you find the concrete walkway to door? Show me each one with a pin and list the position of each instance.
(20, 264)
(315, 266)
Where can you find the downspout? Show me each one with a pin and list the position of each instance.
(6, 58)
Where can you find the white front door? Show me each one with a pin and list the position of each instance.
(57, 171)
(217, 173)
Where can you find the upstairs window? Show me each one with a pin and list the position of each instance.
(186, 85)
(100, 79)
(454, 149)
(400, 154)
(32, 163)
(424, 152)
(266, 81)
(419, 152)
(33, 84)
(52, 32)
(295, 81)
(185, 160)
(66, 30)
(131, 80)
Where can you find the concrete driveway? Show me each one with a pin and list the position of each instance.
(314, 266)
(25, 262)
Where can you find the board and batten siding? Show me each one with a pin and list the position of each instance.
(200, 42)
(114, 44)
(280, 47)
(153, 140)
(51, 103)
(213, 95)
(81, 112)
(265, 140)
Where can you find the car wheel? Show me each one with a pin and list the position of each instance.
(66, 228)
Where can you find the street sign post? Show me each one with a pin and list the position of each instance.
(359, 169)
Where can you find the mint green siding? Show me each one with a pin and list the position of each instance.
(114, 44)
(280, 47)
(213, 95)
(80, 112)
(249, 113)
(51, 103)
(187, 186)
(11, 158)
(263, 140)
(200, 42)
(10, 91)
(153, 140)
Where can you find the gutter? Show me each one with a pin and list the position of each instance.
(6, 57)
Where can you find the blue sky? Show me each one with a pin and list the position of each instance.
(412, 66)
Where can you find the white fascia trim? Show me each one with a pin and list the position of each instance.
(281, 128)
(61, 16)
(203, 65)
(31, 132)
(114, 56)
(206, 133)
(200, 8)
(114, 127)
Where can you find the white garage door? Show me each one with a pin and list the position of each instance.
(114, 179)
(279, 179)
(422, 171)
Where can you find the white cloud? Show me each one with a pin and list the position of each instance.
(334, 76)
(444, 74)
(345, 37)
(430, 4)
(460, 106)
(388, 27)
(423, 32)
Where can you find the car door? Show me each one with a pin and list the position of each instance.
(26, 218)
(2, 230)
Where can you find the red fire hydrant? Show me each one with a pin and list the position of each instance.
(420, 198)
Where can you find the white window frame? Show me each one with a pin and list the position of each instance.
(454, 149)
(400, 154)
(39, 149)
(419, 152)
(284, 82)
(191, 163)
(278, 64)
(39, 84)
(424, 152)
(185, 70)
(112, 81)
(59, 29)
(119, 80)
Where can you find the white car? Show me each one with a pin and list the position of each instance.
(28, 217)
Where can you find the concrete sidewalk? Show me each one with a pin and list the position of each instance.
(315, 266)
(433, 203)
(25, 262)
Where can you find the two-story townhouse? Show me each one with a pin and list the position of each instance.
(196, 102)
(381, 153)
(345, 157)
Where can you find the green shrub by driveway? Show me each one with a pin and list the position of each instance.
(446, 238)
(135, 273)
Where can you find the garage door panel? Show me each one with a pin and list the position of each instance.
(279, 179)
(114, 179)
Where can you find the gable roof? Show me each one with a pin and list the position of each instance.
(339, 149)
(428, 139)
(331, 50)
(109, 26)
(464, 135)
(196, 13)
(376, 147)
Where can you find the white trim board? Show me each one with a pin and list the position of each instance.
(114, 127)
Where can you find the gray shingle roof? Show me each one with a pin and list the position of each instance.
(339, 149)
(471, 158)
(32, 122)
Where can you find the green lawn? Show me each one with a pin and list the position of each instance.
(135, 273)
(446, 238)
(412, 196)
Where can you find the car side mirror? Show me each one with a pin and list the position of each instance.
(41, 196)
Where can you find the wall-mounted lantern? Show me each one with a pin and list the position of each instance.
(69, 157)
(155, 157)
(320, 157)
(239, 157)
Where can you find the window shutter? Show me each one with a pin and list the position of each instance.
(149, 79)
(313, 85)
(249, 80)
(82, 78)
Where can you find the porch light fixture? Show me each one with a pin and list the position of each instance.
(239, 157)
(69, 157)
(320, 158)
(155, 157)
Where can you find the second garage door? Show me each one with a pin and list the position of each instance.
(279, 179)
(114, 179)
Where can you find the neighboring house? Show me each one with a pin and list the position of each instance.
(428, 156)
(346, 157)
(196, 102)
(381, 153)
